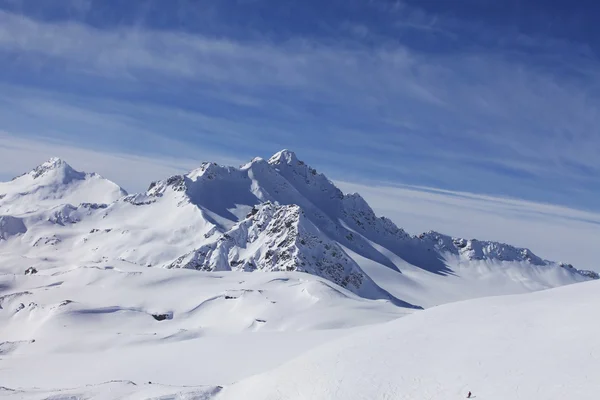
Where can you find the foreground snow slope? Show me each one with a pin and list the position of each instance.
(122, 390)
(542, 345)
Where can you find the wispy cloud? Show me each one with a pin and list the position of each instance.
(474, 120)
(132, 171)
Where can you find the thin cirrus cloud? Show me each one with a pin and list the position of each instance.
(132, 171)
(493, 121)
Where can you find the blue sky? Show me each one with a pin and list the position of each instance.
(464, 95)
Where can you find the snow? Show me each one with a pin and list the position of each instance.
(55, 183)
(467, 278)
(11, 226)
(210, 278)
(72, 316)
(540, 345)
(116, 390)
(265, 216)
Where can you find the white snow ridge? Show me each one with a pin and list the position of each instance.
(267, 282)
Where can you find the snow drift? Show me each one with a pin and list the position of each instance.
(539, 346)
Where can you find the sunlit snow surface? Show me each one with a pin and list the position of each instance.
(536, 346)
(192, 288)
(219, 327)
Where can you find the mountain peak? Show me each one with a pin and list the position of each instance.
(474, 249)
(53, 164)
(54, 183)
(56, 161)
(285, 156)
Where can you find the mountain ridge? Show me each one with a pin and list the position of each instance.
(277, 214)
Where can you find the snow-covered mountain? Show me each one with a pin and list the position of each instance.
(209, 278)
(54, 183)
(275, 215)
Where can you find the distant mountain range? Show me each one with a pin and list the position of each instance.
(268, 215)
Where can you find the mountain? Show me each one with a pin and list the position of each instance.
(54, 183)
(266, 281)
(275, 215)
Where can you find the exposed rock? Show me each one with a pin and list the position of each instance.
(162, 317)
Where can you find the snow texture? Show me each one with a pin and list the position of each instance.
(211, 277)
(536, 346)
(54, 183)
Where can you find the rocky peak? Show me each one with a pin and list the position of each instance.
(473, 249)
(211, 171)
(57, 167)
(313, 185)
(53, 162)
(285, 157)
(586, 273)
(288, 242)
(175, 182)
(286, 160)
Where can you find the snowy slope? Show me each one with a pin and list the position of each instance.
(55, 183)
(536, 346)
(116, 390)
(275, 238)
(215, 328)
(212, 277)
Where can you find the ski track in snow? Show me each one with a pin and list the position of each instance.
(266, 282)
